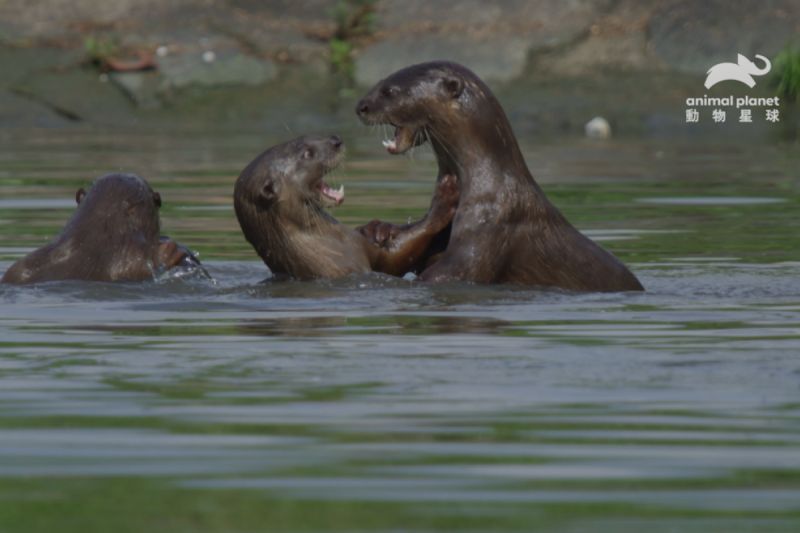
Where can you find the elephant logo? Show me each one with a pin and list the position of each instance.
(742, 71)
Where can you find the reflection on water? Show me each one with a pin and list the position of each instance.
(711, 200)
(374, 403)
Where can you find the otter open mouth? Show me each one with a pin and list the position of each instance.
(334, 195)
(329, 195)
(405, 138)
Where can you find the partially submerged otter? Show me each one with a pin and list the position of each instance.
(113, 235)
(505, 229)
(278, 201)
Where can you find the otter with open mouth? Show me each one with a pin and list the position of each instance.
(279, 198)
(505, 230)
(113, 235)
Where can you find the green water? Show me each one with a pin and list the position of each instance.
(376, 404)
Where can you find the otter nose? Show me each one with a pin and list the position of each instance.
(362, 108)
(336, 141)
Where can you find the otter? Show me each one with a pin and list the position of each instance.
(505, 230)
(114, 235)
(278, 199)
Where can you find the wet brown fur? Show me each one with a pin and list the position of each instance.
(505, 229)
(281, 216)
(112, 236)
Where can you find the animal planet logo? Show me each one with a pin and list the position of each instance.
(742, 71)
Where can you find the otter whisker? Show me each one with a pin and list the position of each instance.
(428, 142)
(384, 132)
(416, 141)
(449, 150)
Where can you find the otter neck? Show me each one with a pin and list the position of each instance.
(302, 214)
(278, 234)
(480, 155)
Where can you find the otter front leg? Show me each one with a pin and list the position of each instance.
(443, 206)
(397, 249)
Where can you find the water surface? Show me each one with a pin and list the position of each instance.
(378, 404)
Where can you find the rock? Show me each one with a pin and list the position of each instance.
(496, 60)
(209, 68)
(141, 87)
(285, 31)
(554, 21)
(16, 111)
(196, 70)
(56, 19)
(494, 40)
(692, 36)
(16, 64)
(598, 128)
(279, 36)
(616, 41)
(77, 94)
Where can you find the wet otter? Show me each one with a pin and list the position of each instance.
(278, 201)
(112, 236)
(505, 229)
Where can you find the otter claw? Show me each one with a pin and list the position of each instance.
(377, 232)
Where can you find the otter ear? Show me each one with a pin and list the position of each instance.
(269, 192)
(157, 199)
(80, 194)
(453, 86)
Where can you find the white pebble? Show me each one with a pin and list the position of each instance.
(598, 128)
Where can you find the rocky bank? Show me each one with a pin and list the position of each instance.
(226, 60)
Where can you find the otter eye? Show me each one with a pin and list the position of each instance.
(157, 199)
(389, 91)
(308, 153)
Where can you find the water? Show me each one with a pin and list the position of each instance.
(378, 404)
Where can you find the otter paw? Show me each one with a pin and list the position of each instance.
(445, 198)
(378, 233)
(447, 189)
(171, 254)
(448, 184)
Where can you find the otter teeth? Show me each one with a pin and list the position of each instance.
(390, 144)
(338, 195)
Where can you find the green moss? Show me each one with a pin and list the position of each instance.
(341, 56)
(355, 20)
(99, 49)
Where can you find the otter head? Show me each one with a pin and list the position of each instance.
(448, 105)
(294, 171)
(417, 101)
(285, 184)
(123, 202)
